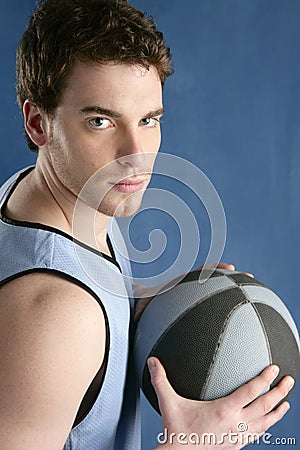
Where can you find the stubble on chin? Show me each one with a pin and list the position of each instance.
(126, 206)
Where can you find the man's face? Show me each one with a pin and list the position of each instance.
(108, 119)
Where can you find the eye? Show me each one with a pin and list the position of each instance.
(150, 122)
(100, 123)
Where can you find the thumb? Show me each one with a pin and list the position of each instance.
(164, 391)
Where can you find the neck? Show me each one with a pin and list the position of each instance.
(55, 205)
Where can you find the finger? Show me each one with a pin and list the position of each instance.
(264, 404)
(220, 265)
(251, 390)
(226, 266)
(260, 426)
(249, 274)
(164, 391)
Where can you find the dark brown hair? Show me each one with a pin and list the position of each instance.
(63, 31)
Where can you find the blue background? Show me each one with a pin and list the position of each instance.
(232, 108)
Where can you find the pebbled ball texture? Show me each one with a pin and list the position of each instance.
(212, 337)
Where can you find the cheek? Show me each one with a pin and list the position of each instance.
(61, 141)
(79, 148)
(152, 141)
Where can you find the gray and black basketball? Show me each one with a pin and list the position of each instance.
(212, 337)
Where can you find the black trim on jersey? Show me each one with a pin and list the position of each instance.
(94, 388)
(42, 226)
(111, 249)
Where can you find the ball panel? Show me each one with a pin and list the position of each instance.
(266, 296)
(166, 308)
(278, 331)
(194, 275)
(189, 345)
(242, 354)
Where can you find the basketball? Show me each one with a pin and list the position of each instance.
(214, 336)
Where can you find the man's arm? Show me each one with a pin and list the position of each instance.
(52, 343)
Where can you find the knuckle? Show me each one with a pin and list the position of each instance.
(270, 419)
(267, 405)
(157, 380)
(252, 391)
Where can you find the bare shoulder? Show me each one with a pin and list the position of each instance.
(52, 343)
(50, 295)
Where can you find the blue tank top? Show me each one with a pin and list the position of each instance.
(113, 421)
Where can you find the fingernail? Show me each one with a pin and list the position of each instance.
(286, 406)
(151, 364)
(275, 370)
(290, 382)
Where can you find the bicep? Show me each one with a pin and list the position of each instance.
(50, 350)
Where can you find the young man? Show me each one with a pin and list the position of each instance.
(90, 78)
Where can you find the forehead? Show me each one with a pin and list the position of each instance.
(116, 86)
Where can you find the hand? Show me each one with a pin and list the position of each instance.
(222, 416)
(222, 265)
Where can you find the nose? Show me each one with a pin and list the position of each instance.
(130, 150)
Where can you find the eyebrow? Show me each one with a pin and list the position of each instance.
(101, 111)
(115, 115)
(155, 113)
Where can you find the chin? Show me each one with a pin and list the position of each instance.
(127, 207)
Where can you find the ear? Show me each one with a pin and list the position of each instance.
(33, 123)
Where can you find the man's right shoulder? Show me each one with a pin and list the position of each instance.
(46, 295)
(39, 288)
(52, 344)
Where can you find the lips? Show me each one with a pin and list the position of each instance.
(130, 185)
